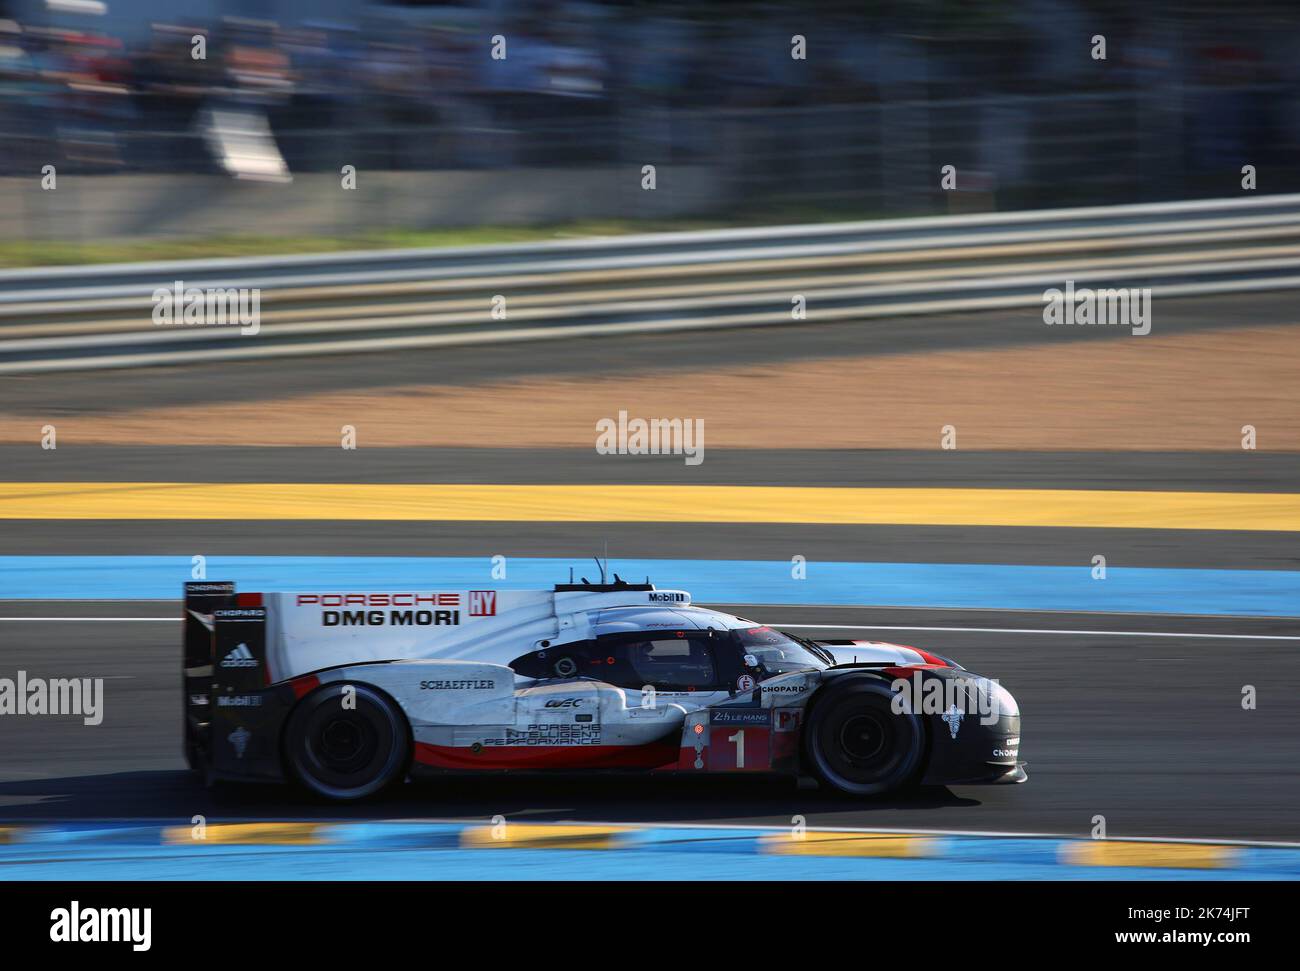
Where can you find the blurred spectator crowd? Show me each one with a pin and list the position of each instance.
(591, 82)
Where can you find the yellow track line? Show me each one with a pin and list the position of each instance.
(673, 503)
(250, 834)
(1176, 855)
(543, 836)
(816, 843)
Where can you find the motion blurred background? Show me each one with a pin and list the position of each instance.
(1131, 688)
(444, 135)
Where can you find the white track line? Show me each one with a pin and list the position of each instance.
(726, 607)
(908, 831)
(956, 630)
(1029, 630)
(99, 620)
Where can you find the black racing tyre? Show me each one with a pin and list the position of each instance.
(347, 752)
(854, 742)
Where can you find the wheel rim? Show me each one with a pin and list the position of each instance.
(863, 738)
(860, 746)
(347, 753)
(344, 744)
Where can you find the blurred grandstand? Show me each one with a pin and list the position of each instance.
(1007, 92)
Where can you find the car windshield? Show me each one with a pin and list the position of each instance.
(778, 653)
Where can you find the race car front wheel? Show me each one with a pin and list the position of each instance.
(346, 741)
(857, 744)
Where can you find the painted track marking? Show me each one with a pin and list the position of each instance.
(955, 630)
(248, 501)
(1032, 630)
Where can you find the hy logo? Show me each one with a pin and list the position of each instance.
(953, 717)
(240, 657)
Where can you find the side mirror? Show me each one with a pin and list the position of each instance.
(750, 661)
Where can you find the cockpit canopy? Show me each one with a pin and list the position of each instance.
(672, 650)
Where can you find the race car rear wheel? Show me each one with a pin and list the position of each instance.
(856, 743)
(347, 746)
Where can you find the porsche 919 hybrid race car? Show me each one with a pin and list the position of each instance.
(347, 693)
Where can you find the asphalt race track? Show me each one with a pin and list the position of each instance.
(1146, 731)
(1134, 718)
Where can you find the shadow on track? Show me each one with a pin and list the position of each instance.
(164, 795)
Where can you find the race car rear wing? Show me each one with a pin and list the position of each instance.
(231, 722)
(202, 600)
(218, 650)
(224, 658)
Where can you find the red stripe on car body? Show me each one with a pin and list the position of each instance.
(649, 756)
(304, 685)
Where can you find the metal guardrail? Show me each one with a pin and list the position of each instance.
(78, 318)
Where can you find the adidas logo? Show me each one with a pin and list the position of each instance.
(240, 657)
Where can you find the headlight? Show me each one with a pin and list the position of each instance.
(1003, 702)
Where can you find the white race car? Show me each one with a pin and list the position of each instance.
(349, 692)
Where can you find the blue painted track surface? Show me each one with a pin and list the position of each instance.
(1245, 593)
(435, 851)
